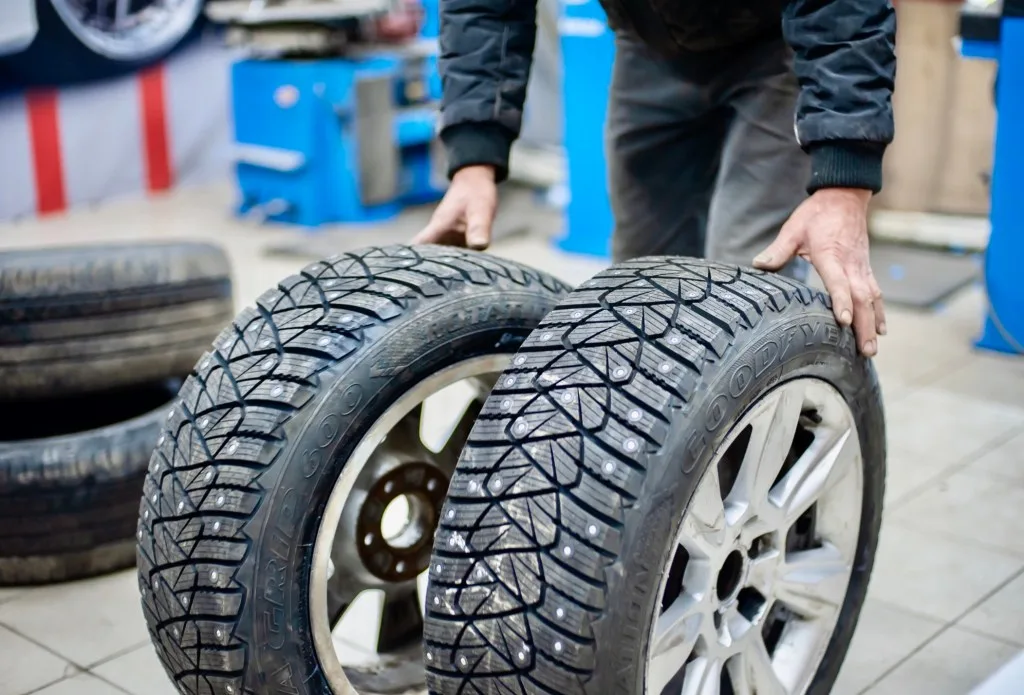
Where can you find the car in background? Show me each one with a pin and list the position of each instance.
(59, 42)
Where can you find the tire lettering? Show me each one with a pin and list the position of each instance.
(741, 378)
(281, 681)
(716, 412)
(351, 397)
(809, 332)
(765, 357)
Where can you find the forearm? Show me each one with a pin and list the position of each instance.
(846, 63)
(486, 53)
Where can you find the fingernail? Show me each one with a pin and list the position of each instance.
(846, 318)
(883, 329)
(870, 348)
(763, 258)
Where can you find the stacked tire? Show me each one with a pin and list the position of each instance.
(94, 344)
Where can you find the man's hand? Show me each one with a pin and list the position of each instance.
(830, 230)
(465, 214)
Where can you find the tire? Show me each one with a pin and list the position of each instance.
(69, 499)
(56, 57)
(630, 390)
(268, 426)
(93, 318)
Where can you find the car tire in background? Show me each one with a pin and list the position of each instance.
(265, 510)
(94, 318)
(676, 488)
(70, 474)
(77, 42)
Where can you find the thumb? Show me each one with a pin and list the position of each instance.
(479, 217)
(780, 252)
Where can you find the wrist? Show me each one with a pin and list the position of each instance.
(846, 164)
(476, 172)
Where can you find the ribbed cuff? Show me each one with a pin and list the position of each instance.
(846, 164)
(477, 143)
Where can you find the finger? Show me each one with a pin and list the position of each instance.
(876, 293)
(479, 216)
(864, 317)
(439, 229)
(781, 251)
(838, 286)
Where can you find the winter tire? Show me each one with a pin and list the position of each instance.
(265, 511)
(70, 475)
(676, 488)
(93, 318)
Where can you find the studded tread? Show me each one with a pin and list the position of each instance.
(533, 525)
(229, 427)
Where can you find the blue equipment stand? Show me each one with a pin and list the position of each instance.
(588, 50)
(997, 34)
(339, 140)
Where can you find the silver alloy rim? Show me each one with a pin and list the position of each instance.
(352, 555)
(129, 30)
(756, 582)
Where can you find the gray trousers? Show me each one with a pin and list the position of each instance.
(702, 153)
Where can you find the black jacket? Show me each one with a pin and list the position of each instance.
(844, 58)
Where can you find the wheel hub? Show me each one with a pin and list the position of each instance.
(731, 578)
(397, 519)
(764, 551)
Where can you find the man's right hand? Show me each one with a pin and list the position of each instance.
(465, 214)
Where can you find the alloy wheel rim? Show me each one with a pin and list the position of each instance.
(355, 550)
(754, 587)
(128, 30)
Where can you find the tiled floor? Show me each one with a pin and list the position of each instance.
(946, 605)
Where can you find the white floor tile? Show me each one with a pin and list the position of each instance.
(885, 636)
(971, 505)
(952, 664)
(85, 622)
(138, 672)
(935, 577)
(944, 428)
(25, 667)
(82, 684)
(1002, 615)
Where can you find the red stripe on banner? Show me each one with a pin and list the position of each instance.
(47, 162)
(154, 129)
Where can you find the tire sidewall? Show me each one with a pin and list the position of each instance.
(275, 620)
(796, 343)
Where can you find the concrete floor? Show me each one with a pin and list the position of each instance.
(945, 607)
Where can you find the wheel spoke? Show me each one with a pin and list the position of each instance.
(703, 677)
(812, 583)
(771, 439)
(675, 634)
(121, 12)
(449, 454)
(401, 620)
(752, 672)
(703, 528)
(826, 461)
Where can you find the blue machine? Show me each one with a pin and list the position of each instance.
(346, 140)
(997, 33)
(588, 50)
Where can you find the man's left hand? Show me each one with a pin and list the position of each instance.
(830, 230)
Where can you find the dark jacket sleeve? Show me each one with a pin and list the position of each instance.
(846, 64)
(486, 53)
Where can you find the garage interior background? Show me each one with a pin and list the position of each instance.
(80, 145)
(170, 126)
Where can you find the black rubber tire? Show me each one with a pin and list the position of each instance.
(81, 319)
(742, 333)
(57, 58)
(392, 316)
(69, 503)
